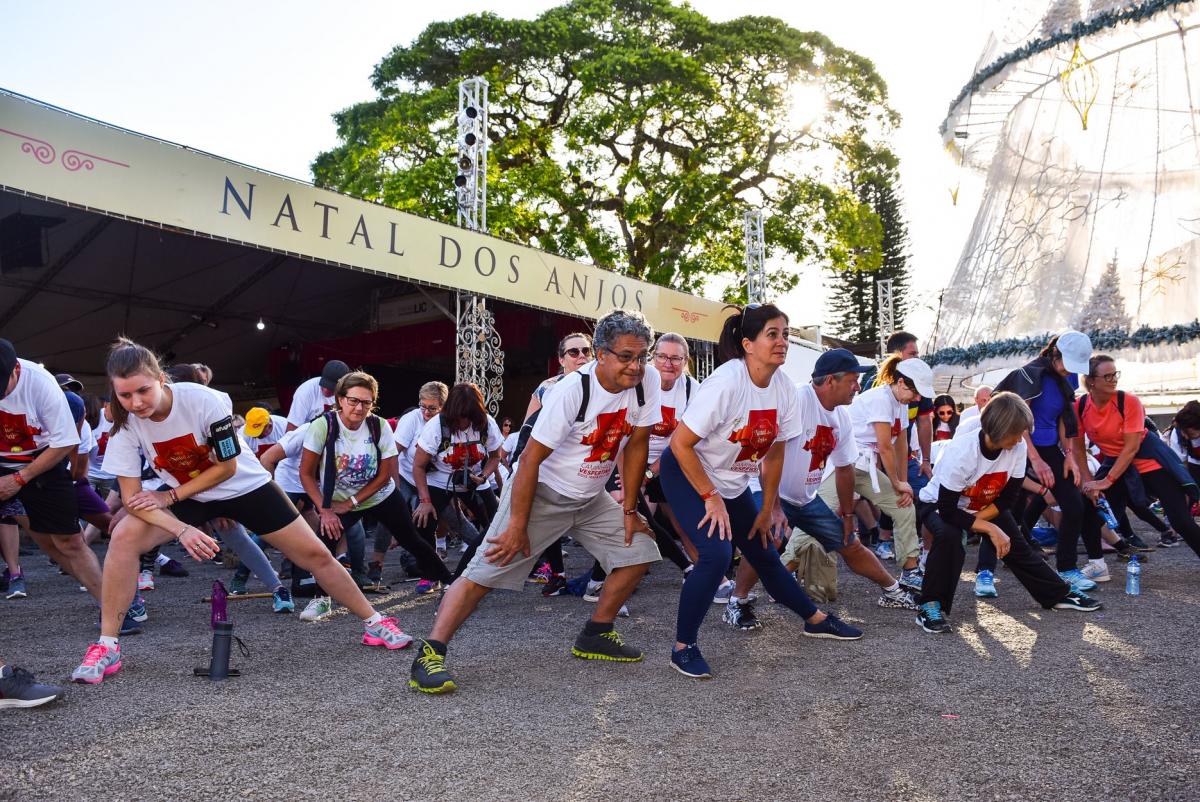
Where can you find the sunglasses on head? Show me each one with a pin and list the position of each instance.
(578, 352)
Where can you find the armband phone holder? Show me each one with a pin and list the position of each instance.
(222, 436)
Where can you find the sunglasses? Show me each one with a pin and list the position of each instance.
(945, 413)
(575, 353)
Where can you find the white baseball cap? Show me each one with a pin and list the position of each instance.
(1076, 350)
(921, 375)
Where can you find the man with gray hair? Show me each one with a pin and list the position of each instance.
(982, 394)
(588, 418)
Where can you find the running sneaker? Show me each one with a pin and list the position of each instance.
(689, 662)
(237, 587)
(884, 550)
(172, 567)
(1097, 572)
(128, 626)
(832, 627)
(16, 588)
(557, 586)
(375, 572)
(429, 674)
(281, 600)
(724, 592)
(145, 580)
(985, 585)
(18, 688)
(1138, 544)
(605, 646)
(898, 599)
(740, 615)
(1077, 580)
(137, 610)
(541, 575)
(592, 592)
(98, 662)
(426, 586)
(912, 579)
(1124, 556)
(623, 612)
(930, 618)
(386, 632)
(1080, 602)
(1169, 539)
(317, 609)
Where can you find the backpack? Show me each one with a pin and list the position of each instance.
(374, 426)
(586, 384)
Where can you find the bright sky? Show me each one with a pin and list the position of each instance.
(257, 83)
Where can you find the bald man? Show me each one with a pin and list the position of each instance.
(981, 398)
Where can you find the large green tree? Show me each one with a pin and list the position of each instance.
(629, 133)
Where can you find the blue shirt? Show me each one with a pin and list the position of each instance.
(1047, 408)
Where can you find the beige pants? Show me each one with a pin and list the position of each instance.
(906, 542)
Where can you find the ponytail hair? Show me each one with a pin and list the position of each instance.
(746, 323)
(888, 374)
(126, 358)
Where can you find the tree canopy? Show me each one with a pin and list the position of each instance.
(629, 133)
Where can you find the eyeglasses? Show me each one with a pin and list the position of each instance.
(674, 360)
(625, 357)
(359, 402)
(1108, 377)
(431, 408)
(578, 352)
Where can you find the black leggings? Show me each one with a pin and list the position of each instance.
(482, 504)
(394, 515)
(945, 562)
(1177, 506)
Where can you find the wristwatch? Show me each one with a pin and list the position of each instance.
(649, 475)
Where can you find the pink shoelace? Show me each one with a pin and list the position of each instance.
(95, 654)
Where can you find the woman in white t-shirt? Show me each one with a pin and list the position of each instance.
(360, 486)
(187, 434)
(457, 454)
(975, 485)
(740, 418)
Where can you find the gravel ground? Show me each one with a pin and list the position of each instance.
(1019, 703)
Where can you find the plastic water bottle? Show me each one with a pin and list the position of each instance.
(1133, 577)
(1107, 514)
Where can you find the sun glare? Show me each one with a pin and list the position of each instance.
(806, 104)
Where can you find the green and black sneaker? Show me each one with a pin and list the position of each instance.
(605, 646)
(429, 674)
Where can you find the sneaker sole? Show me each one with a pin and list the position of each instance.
(1105, 578)
(610, 658)
(446, 687)
(743, 627)
(1078, 608)
(17, 595)
(370, 640)
(921, 624)
(108, 672)
(891, 605)
(592, 599)
(689, 674)
(984, 594)
(281, 610)
(23, 703)
(830, 635)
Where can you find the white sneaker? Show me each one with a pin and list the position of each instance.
(624, 611)
(1097, 572)
(145, 580)
(724, 591)
(592, 594)
(317, 609)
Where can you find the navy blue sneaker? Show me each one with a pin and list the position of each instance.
(128, 625)
(137, 610)
(689, 662)
(832, 627)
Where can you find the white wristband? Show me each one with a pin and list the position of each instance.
(353, 501)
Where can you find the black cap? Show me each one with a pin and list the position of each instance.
(837, 360)
(8, 361)
(332, 373)
(68, 382)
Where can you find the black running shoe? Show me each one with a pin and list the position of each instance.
(740, 615)
(172, 567)
(19, 688)
(605, 646)
(556, 586)
(375, 572)
(1139, 544)
(429, 674)
(1078, 601)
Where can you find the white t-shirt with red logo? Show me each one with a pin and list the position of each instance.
(35, 415)
(585, 453)
(278, 429)
(674, 402)
(287, 470)
(309, 401)
(408, 429)
(826, 441)
(96, 457)
(962, 467)
(177, 447)
(738, 422)
(877, 405)
(466, 449)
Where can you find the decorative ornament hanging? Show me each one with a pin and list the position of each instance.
(1081, 83)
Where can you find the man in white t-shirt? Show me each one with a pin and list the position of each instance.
(587, 420)
(315, 396)
(826, 445)
(263, 430)
(37, 435)
(982, 394)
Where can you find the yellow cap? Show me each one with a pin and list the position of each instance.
(257, 419)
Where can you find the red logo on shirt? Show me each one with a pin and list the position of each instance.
(942, 434)
(896, 428)
(820, 446)
(606, 438)
(460, 455)
(668, 424)
(262, 449)
(985, 490)
(757, 436)
(16, 434)
(182, 457)
(102, 444)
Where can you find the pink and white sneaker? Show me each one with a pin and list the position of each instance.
(386, 632)
(145, 580)
(99, 662)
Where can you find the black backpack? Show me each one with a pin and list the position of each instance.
(374, 426)
(586, 384)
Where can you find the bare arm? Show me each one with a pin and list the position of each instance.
(271, 458)
(199, 545)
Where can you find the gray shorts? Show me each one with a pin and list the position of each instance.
(598, 524)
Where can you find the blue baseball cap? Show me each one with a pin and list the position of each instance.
(837, 360)
(76, 405)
